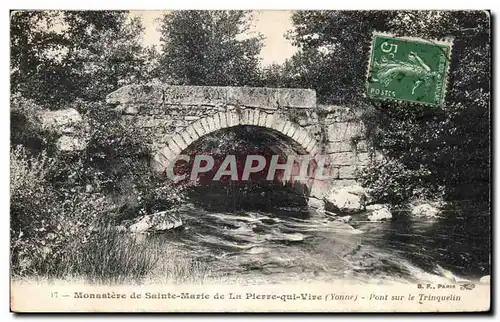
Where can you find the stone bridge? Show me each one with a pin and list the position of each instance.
(171, 118)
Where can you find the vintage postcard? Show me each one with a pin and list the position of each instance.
(250, 161)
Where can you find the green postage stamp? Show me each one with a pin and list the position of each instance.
(408, 69)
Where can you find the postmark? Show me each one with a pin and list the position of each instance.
(408, 69)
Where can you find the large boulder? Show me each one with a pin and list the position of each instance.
(160, 221)
(348, 199)
(379, 213)
(424, 210)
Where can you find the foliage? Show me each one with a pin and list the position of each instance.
(207, 48)
(28, 186)
(391, 182)
(59, 56)
(113, 150)
(451, 143)
(333, 50)
(44, 219)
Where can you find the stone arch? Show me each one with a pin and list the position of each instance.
(181, 140)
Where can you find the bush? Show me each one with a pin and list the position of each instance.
(30, 207)
(43, 219)
(59, 198)
(392, 182)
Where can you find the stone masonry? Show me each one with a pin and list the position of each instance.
(170, 118)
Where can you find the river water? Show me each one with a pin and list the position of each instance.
(297, 244)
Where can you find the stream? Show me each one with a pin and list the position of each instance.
(297, 244)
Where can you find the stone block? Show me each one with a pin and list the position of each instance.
(279, 124)
(260, 97)
(342, 183)
(71, 143)
(347, 172)
(136, 94)
(216, 121)
(335, 114)
(343, 131)
(174, 146)
(291, 131)
(191, 118)
(192, 132)
(195, 95)
(245, 116)
(205, 125)
(310, 147)
(343, 158)
(296, 97)
(341, 146)
(287, 127)
(211, 124)
(187, 137)
(222, 120)
(59, 119)
(270, 121)
(262, 119)
(363, 158)
(179, 141)
(199, 128)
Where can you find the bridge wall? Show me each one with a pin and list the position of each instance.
(169, 118)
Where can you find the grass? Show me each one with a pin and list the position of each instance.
(111, 258)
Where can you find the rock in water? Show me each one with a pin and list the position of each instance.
(159, 221)
(316, 203)
(424, 210)
(380, 213)
(375, 207)
(485, 279)
(349, 199)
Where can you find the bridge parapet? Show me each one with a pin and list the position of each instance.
(257, 97)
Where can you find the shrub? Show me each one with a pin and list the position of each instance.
(30, 192)
(43, 219)
(60, 197)
(392, 182)
(30, 200)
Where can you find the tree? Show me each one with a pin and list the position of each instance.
(437, 147)
(333, 51)
(454, 140)
(60, 56)
(209, 48)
